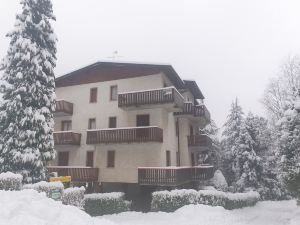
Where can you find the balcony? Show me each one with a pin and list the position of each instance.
(194, 112)
(125, 135)
(78, 174)
(63, 108)
(66, 138)
(168, 98)
(173, 176)
(199, 143)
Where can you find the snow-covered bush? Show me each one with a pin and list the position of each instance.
(10, 181)
(48, 187)
(219, 181)
(73, 196)
(105, 203)
(169, 201)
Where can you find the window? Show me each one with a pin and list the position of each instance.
(90, 158)
(93, 95)
(168, 158)
(112, 122)
(66, 125)
(110, 159)
(63, 158)
(114, 93)
(92, 123)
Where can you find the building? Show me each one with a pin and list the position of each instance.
(130, 124)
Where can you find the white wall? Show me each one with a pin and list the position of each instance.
(128, 156)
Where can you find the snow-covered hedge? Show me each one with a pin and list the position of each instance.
(106, 203)
(73, 196)
(10, 181)
(48, 187)
(169, 201)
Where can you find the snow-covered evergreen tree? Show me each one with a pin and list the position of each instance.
(289, 146)
(242, 165)
(260, 133)
(264, 146)
(28, 88)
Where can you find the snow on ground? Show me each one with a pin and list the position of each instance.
(28, 207)
(264, 213)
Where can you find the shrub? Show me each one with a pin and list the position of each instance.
(169, 201)
(52, 189)
(219, 181)
(106, 203)
(10, 181)
(73, 196)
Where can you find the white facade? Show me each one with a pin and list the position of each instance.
(128, 156)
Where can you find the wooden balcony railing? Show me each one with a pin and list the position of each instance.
(66, 138)
(203, 172)
(123, 135)
(201, 140)
(173, 176)
(63, 108)
(196, 111)
(78, 174)
(201, 111)
(150, 97)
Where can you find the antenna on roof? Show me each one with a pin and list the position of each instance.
(115, 55)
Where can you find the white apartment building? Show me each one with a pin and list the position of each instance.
(130, 123)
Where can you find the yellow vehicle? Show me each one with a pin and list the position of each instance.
(63, 179)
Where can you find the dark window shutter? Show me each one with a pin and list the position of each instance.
(93, 95)
(168, 158)
(112, 122)
(111, 159)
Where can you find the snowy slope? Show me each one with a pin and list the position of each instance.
(28, 207)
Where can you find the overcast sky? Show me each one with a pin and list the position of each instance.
(230, 47)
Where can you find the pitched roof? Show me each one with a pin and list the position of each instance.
(193, 87)
(106, 71)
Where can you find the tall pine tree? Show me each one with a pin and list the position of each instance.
(289, 147)
(28, 88)
(242, 165)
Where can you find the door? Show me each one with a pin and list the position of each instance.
(142, 121)
(90, 159)
(191, 131)
(66, 125)
(63, 158)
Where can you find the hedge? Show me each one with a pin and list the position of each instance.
(52, 189)
(105, 203)
(73, 196)
(169, 201)
(10, 181)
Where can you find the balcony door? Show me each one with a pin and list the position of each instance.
(66, 125)
(90, 158)
(142, 121)
(63, 158)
